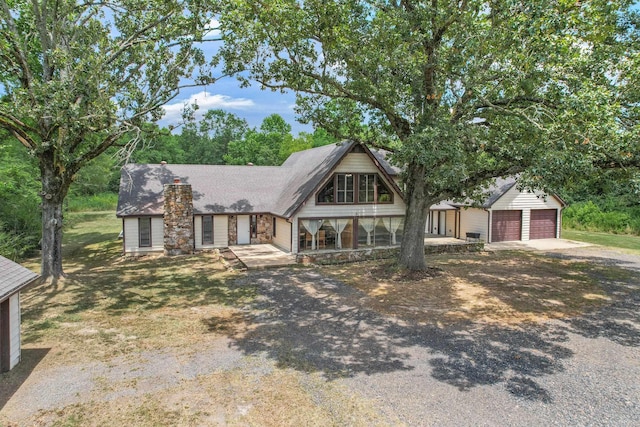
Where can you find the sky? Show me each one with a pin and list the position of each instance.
(251, 104)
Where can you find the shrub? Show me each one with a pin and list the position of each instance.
(590, 217)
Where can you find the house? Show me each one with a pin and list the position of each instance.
(336, 197)
(13, 278)
(506, 214)
(339, 196)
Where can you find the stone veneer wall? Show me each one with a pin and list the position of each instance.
(355, 255)
(233, 230)
(265, 232)
(178, 219)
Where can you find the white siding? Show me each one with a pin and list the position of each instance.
(197, 232)
(220, 232)
(354, 163)
(357, 163)
(525, 201)
(131, 238)
(514, 199)
(283, 234)
(473, 220)
(14, 332)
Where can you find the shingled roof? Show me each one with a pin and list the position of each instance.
(491, 195)
(280, 190)
(13, 277)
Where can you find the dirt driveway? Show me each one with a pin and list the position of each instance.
(312, 350)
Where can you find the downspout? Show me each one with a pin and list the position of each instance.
(559, 224)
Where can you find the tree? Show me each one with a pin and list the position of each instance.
(158, 144)
(206, 142)
(261, 147)
(78, 76)
(461, 91)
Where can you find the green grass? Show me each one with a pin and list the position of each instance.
(621, 241)
(96, 202)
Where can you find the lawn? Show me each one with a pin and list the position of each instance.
(151, 338)
(114, 311)
(630, 244)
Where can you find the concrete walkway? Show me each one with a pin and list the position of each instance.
(262, 256)
(537, 245)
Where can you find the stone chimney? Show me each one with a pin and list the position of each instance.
(178, 219)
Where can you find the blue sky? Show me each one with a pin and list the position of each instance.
(251, 104)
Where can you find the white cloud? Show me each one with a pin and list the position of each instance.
(213, 28)
(205, 101)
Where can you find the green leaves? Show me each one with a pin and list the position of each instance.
(513, 78)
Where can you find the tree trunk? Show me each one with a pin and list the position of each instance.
(54, 190)
(412, 247)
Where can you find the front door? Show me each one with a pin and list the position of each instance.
(244, 230)
(442, 223)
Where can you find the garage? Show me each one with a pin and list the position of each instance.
(543, 224)
(506, 226)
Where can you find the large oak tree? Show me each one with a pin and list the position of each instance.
(461, 91)
(78, 77)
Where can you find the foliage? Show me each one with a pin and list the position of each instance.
(207, 141)
(19, 200)
(462, 91)
(590, 217)
(78, 77)
(224, 138)
(261, 147)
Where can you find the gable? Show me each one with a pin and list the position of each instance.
(356, 163)
(305, 181)
(516, 199)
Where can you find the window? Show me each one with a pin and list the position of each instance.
(326, 194)
(274, 227)
(144, 232)
(345, 188)
(253, 225)
(340, 189)
(381, 231)
(207, 230)
(330, 233)
(366, 188)
(384, 195)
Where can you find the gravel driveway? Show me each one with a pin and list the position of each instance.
(579, 371)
